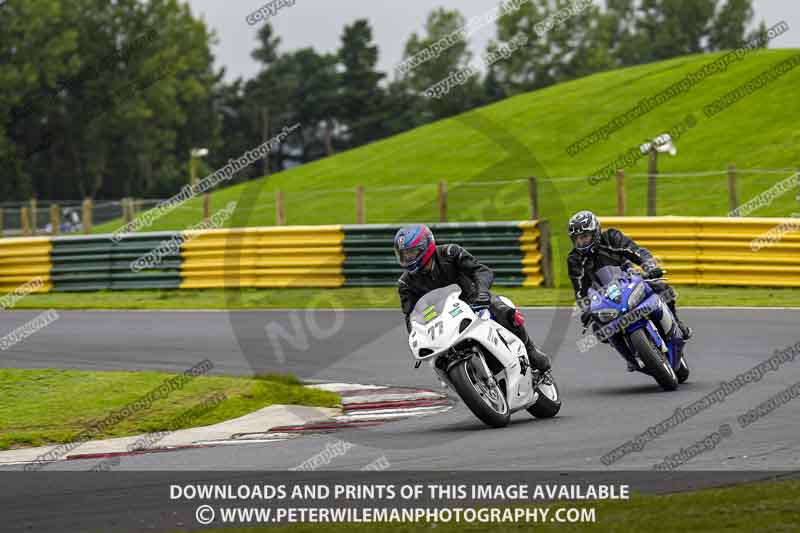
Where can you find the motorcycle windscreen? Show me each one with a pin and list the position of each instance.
(431, 305)
(607, 275)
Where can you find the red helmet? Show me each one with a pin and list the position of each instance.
(414, 246)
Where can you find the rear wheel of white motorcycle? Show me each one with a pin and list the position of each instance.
(654, 361)
(486, 402)
(549, 403)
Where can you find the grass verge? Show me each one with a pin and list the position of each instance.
(768, 507)
(41, 407)
(368, 298)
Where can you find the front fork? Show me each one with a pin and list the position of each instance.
(444, 363)
(672, 338)
(621, 344)
(669, 348)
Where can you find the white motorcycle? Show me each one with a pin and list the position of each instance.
(483, 362)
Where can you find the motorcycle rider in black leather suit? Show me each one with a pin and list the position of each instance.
(594, 249)
(430, 267)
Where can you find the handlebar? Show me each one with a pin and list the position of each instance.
(660, 278)
(644, 276)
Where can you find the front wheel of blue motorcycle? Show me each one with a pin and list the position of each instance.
(682, 372)
(654, 361)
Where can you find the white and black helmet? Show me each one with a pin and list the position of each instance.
(584, 222)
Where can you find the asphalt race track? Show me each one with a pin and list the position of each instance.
(604, 406)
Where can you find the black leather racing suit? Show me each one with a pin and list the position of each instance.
(613, 249)
(454, 264)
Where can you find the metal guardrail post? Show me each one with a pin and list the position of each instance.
(733, 193)
(34, 222)
(442, 201)
(86, 215)
(127, 210)
(621, 192)
(280, 215)
(546, 251)
(533, 198)
(360, 204)
(652, 172)
(55, 219)
(25, 220)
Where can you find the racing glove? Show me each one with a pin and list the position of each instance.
(652, 271)
(517, 318)
(482, 298)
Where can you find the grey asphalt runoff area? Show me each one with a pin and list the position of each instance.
(604, 406)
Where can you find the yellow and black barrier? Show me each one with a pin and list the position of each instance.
(23, 260)
(719, 250)
(694, 250)
(268, 257)
(510, 249)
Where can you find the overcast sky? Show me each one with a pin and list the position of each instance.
(319, 24)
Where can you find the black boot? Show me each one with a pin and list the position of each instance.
(686, 331)
(539, 360)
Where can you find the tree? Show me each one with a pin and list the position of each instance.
(616, 32)
(493, 89)
(264, 97)
(730, 25)
(403, 108)
(575, 47)
(440, 24)
(623, 33)
(759, 35)
(307, 82)
(268, 42)
(674, 27)
(118, 91)
(241, 125)
(35, 50)
(361, 98)
(554, 52)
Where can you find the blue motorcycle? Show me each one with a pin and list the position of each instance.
(623, 301)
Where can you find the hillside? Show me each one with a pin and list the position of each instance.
(528, 135)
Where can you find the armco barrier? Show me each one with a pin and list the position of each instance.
(694, 250)
(716, 250)
(98, 263)
(22, 260)
(282, 256)
(511, 249)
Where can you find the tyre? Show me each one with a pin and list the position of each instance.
(683, 371)
(488, 404)
(654, 361)
(549, 403)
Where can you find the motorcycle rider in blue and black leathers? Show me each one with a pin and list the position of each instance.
(430, 267)
(594, 249)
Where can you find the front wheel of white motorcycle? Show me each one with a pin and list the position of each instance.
(481, 394)
(549, 403)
